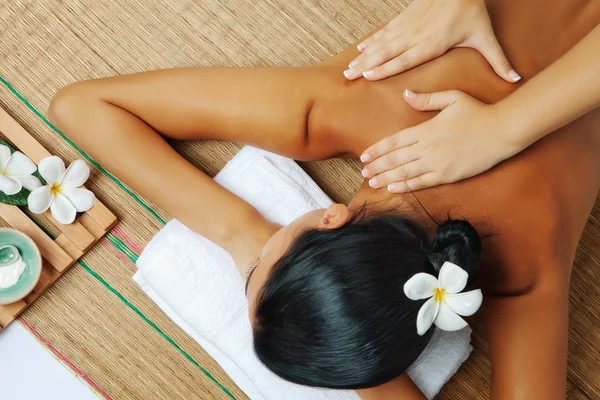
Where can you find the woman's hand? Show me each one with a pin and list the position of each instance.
(466, 138)
(426, 30)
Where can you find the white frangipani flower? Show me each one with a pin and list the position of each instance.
(62, 193)
(15, 172)
(445, 302)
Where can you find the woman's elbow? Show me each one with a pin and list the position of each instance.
(70, 105)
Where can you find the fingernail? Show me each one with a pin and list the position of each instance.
(365, 157)
(514, 76)
(365, 172)
(373, 182)
(349, 73)
(353, 64)
(361, 47)
(409, 94)
(368, 74)
(392, 187)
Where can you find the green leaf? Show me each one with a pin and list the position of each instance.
(18, 199)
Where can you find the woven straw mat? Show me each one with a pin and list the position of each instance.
(96, 316)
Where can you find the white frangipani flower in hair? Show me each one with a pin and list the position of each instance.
(446, 303)
(62, 194)
(15, 172)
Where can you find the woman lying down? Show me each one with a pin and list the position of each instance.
(348, 297)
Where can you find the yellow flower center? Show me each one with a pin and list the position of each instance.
(55, 189)
(439, 294)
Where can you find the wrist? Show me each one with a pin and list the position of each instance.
(511, 127)
(246, 240)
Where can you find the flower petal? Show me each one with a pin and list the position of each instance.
(29, 182)
(62, 210)
(40, 199)
(52, 169)
(420, 286)
(82, 199)
(448, 320)
(427, 314)
(453, 278)
(9, 185)
(76, 175)
(465, 304)
(4, 156)
(19, 163)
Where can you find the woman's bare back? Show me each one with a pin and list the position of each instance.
(525, 200)
(534, 205)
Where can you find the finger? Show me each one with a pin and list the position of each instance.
(400, 174)
(489, 47)
(424, 181)
(405, 59)
(355, 68)
(398, 140)
(374, 38)
(432, 101)
(390, 161)
(379, 34)
(369, 41)
(376, 55)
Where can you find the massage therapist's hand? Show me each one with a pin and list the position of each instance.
(426, 30)
(463, 140)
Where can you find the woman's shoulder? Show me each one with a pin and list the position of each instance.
(521, 275)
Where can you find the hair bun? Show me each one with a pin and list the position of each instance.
(457, 241)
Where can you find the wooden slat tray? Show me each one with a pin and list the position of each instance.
(75, 239)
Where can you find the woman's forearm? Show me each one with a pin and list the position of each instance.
(400, 388)
(132, 150)
(567, 89)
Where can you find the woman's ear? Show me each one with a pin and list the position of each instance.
(336, 216)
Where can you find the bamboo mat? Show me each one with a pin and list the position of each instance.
(96, 317)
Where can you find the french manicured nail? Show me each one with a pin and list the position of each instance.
(365, 172)
(410, 95)
(392, 187)
(361, 47)
(373, 182)
(369, 73)
(514, 76)
(349, 73)
(365, 157)
(353, 64)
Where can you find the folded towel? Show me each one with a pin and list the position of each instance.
(197, 285)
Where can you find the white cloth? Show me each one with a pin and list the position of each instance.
(197, 285)
(29, 371)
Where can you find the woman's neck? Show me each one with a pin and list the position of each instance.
(382, 200)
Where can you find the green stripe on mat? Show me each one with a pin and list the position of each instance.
(118, 243)
(154, 326)
(83, 153)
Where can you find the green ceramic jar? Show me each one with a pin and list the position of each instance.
(30, 254)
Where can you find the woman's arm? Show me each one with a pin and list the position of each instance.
(528, 337)
(563, 92)
(400, 388)
(468, 137)
(117, 120)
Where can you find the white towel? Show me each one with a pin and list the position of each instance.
(197, 285)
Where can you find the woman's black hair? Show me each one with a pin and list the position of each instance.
(333, 312)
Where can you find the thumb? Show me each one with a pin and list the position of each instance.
(431, 101)
(491, 50)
